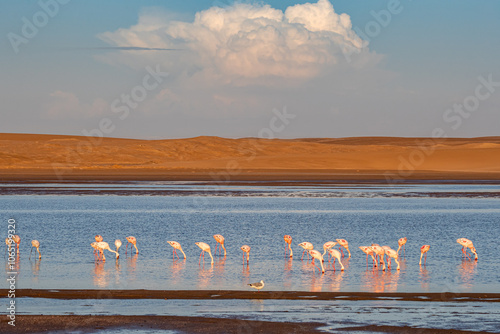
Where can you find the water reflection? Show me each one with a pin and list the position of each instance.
(467, 271)
(374, 280)
(424, 278)
(205, 272)
(132, 267)
(316, 282)
(220, 264)
(288, 274)
(336, 280)
(100, 277)
(35, 269)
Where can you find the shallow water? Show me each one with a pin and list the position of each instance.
(474, 316)
(259, 216)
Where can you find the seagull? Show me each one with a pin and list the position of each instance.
(257, 286)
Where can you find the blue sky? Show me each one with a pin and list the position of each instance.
(426, 59)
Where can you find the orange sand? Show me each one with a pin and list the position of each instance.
(27, 156)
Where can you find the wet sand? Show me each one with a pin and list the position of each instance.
(235, 294)
(91, 323)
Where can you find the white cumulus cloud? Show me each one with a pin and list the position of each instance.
(244, 43)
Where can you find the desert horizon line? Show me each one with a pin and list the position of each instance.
(238, 138)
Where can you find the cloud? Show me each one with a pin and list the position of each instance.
(245, 44)
(63, 105)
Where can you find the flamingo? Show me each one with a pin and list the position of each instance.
(368, 251)
(379, 251)
(388, 258)
(394, 254)
(307, 247)
(345, 244)
(36, 244)
(96, 250)
(258, 285)
(176, 245)
(246, 249)
(98, 238)
(219, 241)
(288, 240)
(336, 255)
(317, 255)
(327, 246)
(204, 248)
(17, 240)
(402, 243)
(466, 243)
(105, 246)
(423, 250)
(132, 241)
(118, 244)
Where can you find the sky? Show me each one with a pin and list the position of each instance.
(273, 69)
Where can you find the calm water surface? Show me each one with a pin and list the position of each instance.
(65, 225)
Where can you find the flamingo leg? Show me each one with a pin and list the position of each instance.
(340, 248)
(30, 252)
(302, 255)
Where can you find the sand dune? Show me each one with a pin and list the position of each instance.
(22, 155)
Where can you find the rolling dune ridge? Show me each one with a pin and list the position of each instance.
(26, 156)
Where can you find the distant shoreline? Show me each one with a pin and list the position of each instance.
(271, 177)
(237, 294)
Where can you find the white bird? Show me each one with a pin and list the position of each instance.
(204, 248)
(327, 246)
(307, 247)
(105, 246)
(336, 255)
(317, 255)
(257, 286)
(118, 244)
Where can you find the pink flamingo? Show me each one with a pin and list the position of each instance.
(97, 251)
(327, 246)
(176, 245)
(345, 244)
(379, 251)
(466, 243)
(118, 244)
(204, 248)
(385, 253)
(17, 240)
(132, 241)
(317, 255)
(402, 243)
(36, 244)
(368, 251)
(336, 255)
(105, 246)
(219, 241)
(307, 247)
(394, 254)
(423, 250)
(288, 240)
(246, 249)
